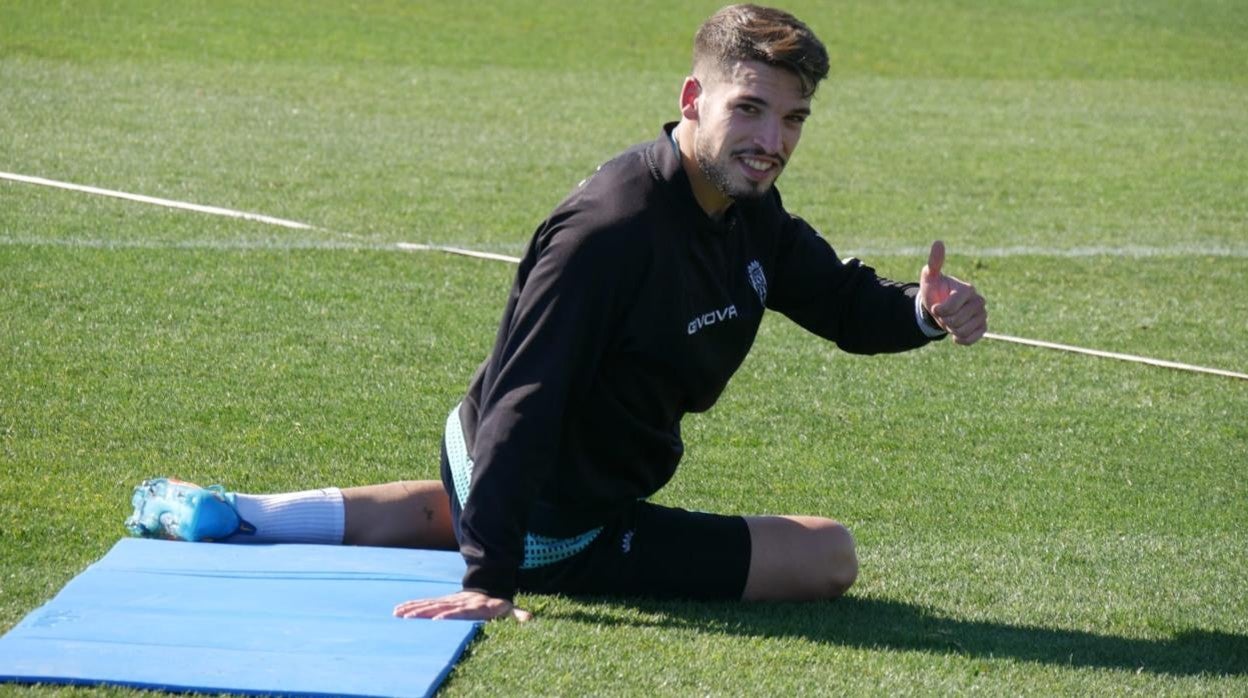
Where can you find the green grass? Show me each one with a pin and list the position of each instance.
(1029, 522)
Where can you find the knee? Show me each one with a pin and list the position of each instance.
(837, 558)
(799, 558)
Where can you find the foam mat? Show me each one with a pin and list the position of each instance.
(244, 619)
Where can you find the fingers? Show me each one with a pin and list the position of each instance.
(969, 337)
(960, 294)
(970, 324)
(964, 314)
(464, 605)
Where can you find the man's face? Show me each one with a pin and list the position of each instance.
(749, 121)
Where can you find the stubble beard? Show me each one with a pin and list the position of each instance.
(720, 174)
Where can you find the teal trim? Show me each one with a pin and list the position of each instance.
(457, 454)
(539, 551)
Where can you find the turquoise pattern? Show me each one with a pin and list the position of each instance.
(539, 551)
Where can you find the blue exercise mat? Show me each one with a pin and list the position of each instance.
(250, 619)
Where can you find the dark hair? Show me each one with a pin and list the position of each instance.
(754, 33)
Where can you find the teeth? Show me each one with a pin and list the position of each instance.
(761, 165)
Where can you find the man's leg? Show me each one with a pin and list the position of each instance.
(658, 551)
(398, 514)
(799, 558)
(407, 514)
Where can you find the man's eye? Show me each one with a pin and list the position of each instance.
(747, 108)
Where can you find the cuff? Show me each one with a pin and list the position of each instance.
(926, 322)
(492, 583)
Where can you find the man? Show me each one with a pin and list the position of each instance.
(635, 302)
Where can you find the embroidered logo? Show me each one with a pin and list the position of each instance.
(626, 543)
(758, 280)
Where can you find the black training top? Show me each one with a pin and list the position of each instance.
(630, 308)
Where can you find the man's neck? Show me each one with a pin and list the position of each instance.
(708, 196)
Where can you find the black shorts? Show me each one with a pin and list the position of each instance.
(646, 550)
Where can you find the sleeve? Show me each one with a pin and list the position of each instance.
(555, 329)
(841, 300)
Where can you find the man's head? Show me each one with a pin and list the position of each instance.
(750, 33)
(755, 70)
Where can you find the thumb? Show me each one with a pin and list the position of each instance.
(935, 260)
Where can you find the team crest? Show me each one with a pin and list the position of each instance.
(758, 280)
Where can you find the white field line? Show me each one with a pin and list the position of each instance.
(417, 247)
(222, 245)
(167, 203)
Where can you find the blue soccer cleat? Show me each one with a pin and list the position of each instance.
(177, 510)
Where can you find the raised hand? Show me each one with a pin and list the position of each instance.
(463, 605)
(955, 305)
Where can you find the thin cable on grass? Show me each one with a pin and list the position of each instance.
(1114, 355)
(417, 247)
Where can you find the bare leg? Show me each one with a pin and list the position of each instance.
(799, 558)
(407, 514)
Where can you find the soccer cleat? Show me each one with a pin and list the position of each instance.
(176, 510)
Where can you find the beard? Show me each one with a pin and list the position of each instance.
(723, 174)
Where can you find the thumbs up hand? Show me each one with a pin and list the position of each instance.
(954, 304)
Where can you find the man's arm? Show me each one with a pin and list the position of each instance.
(847, 302)
(556, 326)
(843, 301)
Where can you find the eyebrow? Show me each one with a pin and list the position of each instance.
(759, 101)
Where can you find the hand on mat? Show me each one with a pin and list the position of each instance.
(463, 605)
(955, 305)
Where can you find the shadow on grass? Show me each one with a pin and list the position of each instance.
(892, 625)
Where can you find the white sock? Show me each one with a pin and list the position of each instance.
(312, 516)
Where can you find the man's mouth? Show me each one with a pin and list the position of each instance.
(760, 166)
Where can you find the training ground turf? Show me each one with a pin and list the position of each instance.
(1029, 522)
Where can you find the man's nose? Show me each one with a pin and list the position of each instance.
(768, 137)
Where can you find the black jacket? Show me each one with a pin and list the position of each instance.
(631, 308)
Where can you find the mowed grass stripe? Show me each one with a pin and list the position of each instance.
(984, 164)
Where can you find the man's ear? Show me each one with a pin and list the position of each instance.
(689, 93)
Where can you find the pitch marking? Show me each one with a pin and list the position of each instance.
(409, 246)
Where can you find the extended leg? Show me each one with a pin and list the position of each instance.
(407, 514)
(412, 514)
(799, 558)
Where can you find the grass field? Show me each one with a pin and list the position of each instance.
(1029, 522)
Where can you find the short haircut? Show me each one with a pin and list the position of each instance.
(765, 34)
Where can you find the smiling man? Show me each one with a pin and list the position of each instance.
(741, 123)
(636, 301)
